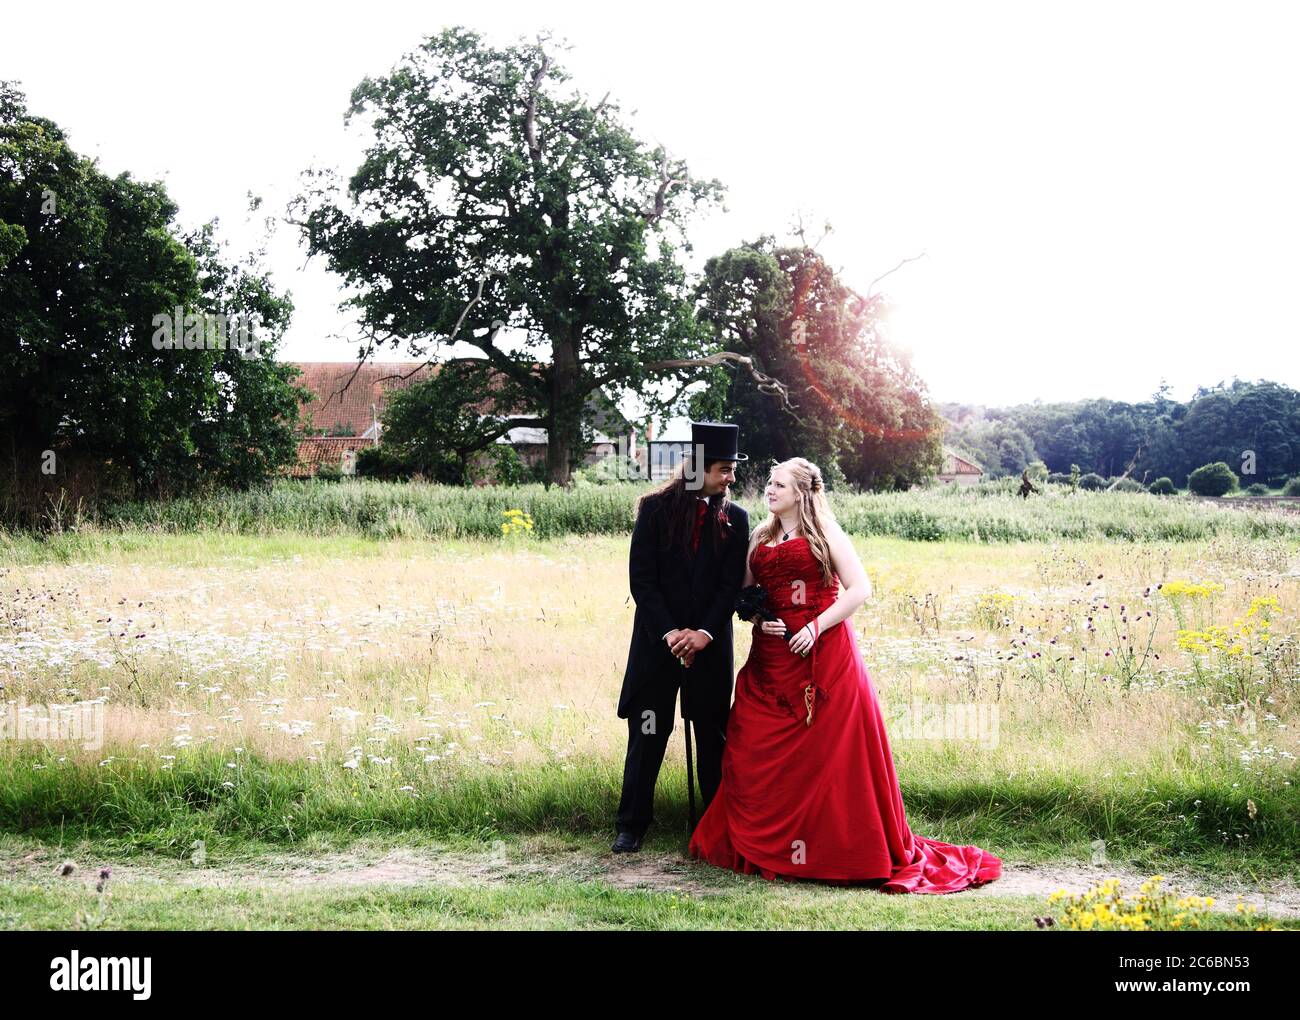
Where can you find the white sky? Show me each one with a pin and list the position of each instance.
(1106, 194)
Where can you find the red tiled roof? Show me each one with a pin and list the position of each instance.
(348, 397)
(317, 451)
(342, 399)
(959, 465)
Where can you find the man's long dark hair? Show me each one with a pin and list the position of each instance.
(674, 506)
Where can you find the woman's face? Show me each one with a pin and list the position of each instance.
(781, 493)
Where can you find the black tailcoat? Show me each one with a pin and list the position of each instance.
(674, 589)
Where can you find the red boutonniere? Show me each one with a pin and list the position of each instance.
(724, 519)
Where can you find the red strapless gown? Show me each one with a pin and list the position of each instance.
(818, 800)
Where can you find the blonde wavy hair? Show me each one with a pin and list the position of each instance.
(813, 510)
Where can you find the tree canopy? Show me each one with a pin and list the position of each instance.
(827, 383)
(87, 264)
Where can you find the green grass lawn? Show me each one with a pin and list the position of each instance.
(301, 704)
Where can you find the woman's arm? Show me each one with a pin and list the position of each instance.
(749, 574)
(853, 576)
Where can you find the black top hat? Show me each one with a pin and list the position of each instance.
(717, 439)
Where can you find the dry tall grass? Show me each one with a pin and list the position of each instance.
(483, 654)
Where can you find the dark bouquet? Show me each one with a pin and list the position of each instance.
(752, 602)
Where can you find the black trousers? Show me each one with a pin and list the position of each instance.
(650, 723)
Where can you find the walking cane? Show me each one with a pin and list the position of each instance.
(690, 771)
(690, 779)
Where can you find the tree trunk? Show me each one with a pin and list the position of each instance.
(564, 419)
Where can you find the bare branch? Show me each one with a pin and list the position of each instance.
(506, 425)
(478, 296)
(370, 346)
(766, 383)
(827, 229)
(655, 210)
(496, 357)
(530, 116)
(894, 270)
(1131, 465)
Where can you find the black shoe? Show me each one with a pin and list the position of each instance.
(627, 842)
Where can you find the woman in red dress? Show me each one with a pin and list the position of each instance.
(808, 785)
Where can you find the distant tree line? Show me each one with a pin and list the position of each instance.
(1252, 427)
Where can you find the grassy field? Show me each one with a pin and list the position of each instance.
(299, 706)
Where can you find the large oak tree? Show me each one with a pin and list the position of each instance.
(497, 204)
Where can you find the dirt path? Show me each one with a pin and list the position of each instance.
(653, 870)
(1038, 880)
(1279, 900)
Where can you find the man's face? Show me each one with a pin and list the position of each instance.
(721, 473)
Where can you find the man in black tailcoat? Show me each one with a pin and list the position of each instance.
(686, 567)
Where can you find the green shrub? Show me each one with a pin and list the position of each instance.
(383, 462)
(1258, 489)
(507, 466)
(1292, 487)
(1092, 482)
(1215, 479)
(388, 462)
(1127, 485)
(1162, 487)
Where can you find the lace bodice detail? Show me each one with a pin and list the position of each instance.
(792, 577)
